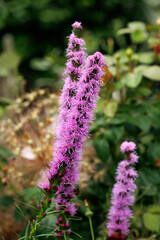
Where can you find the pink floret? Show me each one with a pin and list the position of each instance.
(127, 146)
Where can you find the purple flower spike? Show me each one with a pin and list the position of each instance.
(122, 198)
(76, 112)
(74, 68)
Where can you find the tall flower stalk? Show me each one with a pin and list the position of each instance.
(76, 111)
(122, 194)
(76, 58)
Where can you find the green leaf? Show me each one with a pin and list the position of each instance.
(136, 25)
(9, 60)
(143, 91)
(40, 64)
(147, 139)
(4, 152)
(154, 114)
(153, 175)
(132, 80)
(19, 214)
(6, 201)
(138, 31)
(4, 72)
(27, 231)
(100, 104)
(120, 84)
(123, 31)
(146, 57)
(153, 151)
(114, 134)
(113, 70)
(1, 111)
(154, 209)
(141, 68)
(30, 193)
(139, 36)
(149, 188)
(152, 73)
(41, 82)
(102, 148)
(116, 121)
(142, 121)
(152, 221)
(110, 109)
(153, 41)
(5, 101)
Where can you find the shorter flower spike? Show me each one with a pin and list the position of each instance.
(122, 198)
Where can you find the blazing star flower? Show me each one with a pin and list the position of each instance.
(77, 103)
(56, 178)
(76, 59)
(76, 111)
(122, 194)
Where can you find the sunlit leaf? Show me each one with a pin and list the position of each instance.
(40, 64)
(152, 221)
(123, 31)
(110, 108)
(152, 73)
(132, 80)
(9, 60)
(146, 57)
(154, 209)
(139, 36)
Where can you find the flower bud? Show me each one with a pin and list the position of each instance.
(59, 174)
(89, 213)
(44, 214)
(67, 224)
(129, 52)
(38, 207)
(60, 219)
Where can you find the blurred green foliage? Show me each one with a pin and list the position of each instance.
(40, 29)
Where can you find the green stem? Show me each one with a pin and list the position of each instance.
(38, 222)
(91, 227)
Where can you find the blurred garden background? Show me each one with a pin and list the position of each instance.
(32, 60)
